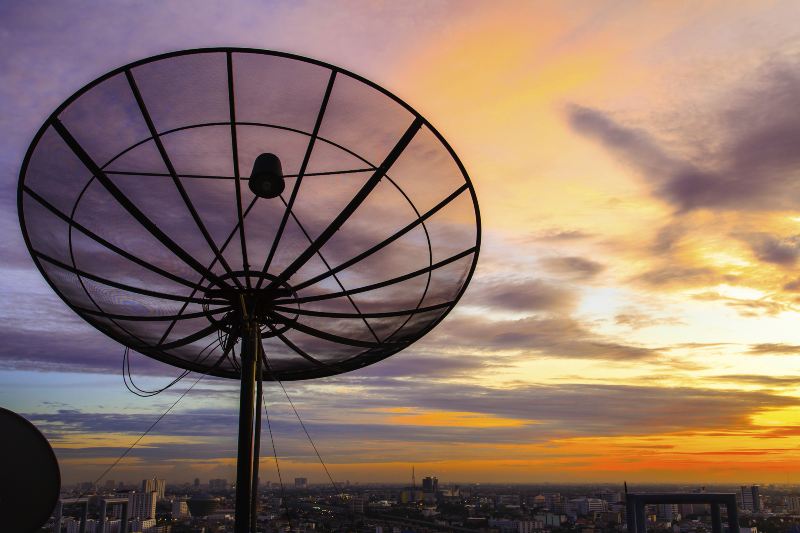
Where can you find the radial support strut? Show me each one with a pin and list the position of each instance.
(248, 429)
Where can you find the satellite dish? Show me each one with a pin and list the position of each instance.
(31, 477)
(357, 232)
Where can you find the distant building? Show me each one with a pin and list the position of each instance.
(218, 484)
(507, 499)
(586, 506)
(300, 483)
(410, 495)
(793, 504)
(552, 501)
(504, 525)
(667, 512)
(451, 495)
(142, 504)
(686, 509)
(357, 504)
(145, 525)
(154, 485)
(197, 482)
(430, 489)
(608, 518)
(71, 525)
(611, 497)
(550, 519)
(180, 509)
(202, 505)
(430, 485)
(750, 498)
(537, 502)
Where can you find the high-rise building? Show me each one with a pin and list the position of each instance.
(756, 497)
(142, 504)
(300, 483)
(585, 506)
(197, 482)
(430, 489)
(793, 504)
(154, 485)
(611, 497)
(71, 525)
(180, 509)
(357, 504)
(144, 525)
(507, 499)
(430, 485)
(667, 512)
(750, 498)
(218, 484)
(536, 502)
(410, 495)
(552, 501)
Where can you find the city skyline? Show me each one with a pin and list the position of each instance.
(433, 507)
(633, 315)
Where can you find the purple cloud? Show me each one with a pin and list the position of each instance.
(754, 166)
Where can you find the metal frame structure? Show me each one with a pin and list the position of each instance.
(240, 296)
(58, 513)
(383, 348)
(635, 504)
(104, 503)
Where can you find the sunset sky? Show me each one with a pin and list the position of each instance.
(635, 314)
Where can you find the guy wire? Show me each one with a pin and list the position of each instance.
(324, 466)
(149, 429)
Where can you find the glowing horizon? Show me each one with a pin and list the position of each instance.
(633, 315)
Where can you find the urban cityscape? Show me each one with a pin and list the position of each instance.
(527, 266)
(207, 506)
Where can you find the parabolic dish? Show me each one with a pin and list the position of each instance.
(31, 476)
(135, 205)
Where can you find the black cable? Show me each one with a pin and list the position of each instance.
(142, 393)
(275, 454)
(149, 429)
(234, 361)
(127, 377)
(266, 363)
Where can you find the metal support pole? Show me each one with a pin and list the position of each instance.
(716, 519)
(733, 515)
(123, 527)
(84, 516)
(244, 463)
(101, 527)
(630, 514)
(641, 519)
(257, 439)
